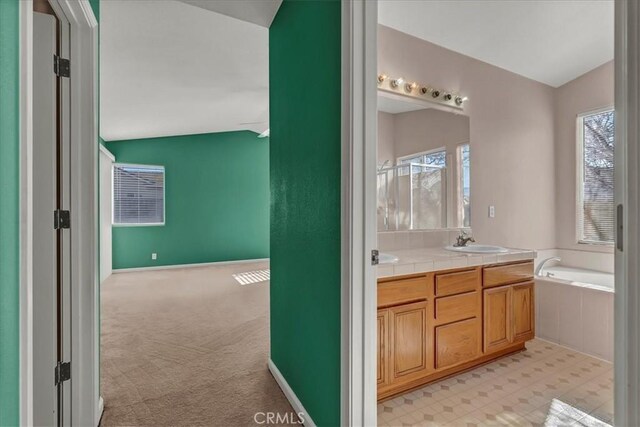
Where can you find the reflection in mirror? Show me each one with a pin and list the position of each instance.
(423, 166)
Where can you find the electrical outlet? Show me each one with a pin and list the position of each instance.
(154, 256)
(492, 211)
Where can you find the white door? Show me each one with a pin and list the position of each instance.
(106, 201)
(45, 272)
(50, 239)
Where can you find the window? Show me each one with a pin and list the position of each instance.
(595, 177)
(437, 158)
(138, 195)
(464, 181)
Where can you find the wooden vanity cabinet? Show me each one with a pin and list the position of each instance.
(522, 297)
(383, 347)
(404, 342)
(434, 325)
(497, 318)
(409, 342)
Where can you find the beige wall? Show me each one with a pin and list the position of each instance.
(588, 92)
(511, 137)
(425, 130)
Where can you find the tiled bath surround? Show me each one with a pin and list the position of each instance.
(575, 316)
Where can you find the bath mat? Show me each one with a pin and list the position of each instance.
(250, 277)
(563, 414)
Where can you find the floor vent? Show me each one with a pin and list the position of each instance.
(250, 277)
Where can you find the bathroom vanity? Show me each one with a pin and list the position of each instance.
(437, 323)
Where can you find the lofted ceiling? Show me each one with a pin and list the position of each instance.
(259, 12)
(550, 41)
(171, 68)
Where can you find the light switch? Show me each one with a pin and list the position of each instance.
(154, 256)
(492, 211)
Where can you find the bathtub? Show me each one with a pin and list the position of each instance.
(574, 308)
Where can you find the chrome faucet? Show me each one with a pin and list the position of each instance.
(543, 263)
(463, 239)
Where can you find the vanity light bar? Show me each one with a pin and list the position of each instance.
(413, 89)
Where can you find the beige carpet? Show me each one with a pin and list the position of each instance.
(186, 347)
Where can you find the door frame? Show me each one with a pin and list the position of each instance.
(358, 212)
(359, 232)
(86, 408)
(627, 196)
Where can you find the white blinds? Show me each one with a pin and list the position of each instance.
(138, 194)
(597, 187)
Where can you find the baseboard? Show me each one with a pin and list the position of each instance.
(100, 410)
(202, 264)
(289, 394)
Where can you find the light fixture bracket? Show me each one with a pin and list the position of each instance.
(415, 90)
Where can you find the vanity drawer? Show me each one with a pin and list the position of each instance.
(457, 307)
(456, 283)
(457, 343)
(506, 274)
(404, 290)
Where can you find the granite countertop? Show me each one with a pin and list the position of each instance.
(432, 259)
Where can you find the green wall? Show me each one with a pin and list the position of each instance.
(305, 106)
(9, 213)
(216, 200)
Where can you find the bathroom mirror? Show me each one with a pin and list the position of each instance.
(423, 166)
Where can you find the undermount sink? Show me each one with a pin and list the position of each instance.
(478, 249)
(385, 258)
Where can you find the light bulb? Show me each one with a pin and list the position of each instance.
(382, 78)
(397, 82)
(409, 87)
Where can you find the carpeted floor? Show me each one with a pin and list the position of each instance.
(186, 347)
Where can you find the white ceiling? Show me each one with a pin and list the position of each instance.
(169, 68)
(259, 12)
(552, 42)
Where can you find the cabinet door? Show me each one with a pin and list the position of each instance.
(383, 347)
(409, 337)
(497, 318)
(523, 312)
(457, 343)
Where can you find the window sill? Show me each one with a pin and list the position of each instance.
(138, 225)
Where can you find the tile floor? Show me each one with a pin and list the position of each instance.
(546, 385)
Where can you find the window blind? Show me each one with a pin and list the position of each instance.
(138, 194)
(598, 219)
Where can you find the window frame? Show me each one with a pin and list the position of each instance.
(579, 214)
(422, 153)
(460, 185)
(113, 195)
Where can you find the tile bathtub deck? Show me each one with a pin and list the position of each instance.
(517, 390)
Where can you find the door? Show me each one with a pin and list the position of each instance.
(383, 347)
(45, 241)
(409, 337)
(523, 313)
(106, 202)
(51, 238)
(497, 318)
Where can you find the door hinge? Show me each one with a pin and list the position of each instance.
(619, 228)
(62, 372)
(375, 257)
(61, 66)
(61, 219)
